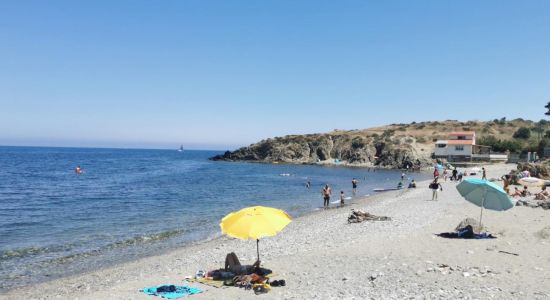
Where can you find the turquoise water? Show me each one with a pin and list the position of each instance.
(133, 203)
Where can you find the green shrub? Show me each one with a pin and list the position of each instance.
(522, 133)
(500, 145)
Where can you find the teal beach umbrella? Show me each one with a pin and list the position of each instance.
(484, 194)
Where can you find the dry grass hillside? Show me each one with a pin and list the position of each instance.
(425, 133)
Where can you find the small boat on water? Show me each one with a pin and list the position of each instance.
(180, 149)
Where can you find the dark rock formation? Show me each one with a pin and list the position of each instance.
(338, 147)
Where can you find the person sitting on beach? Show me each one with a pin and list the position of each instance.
(341, 198)
(232, 264)
(400, 185)
(525, 192)
(412, 184)
(522, 193)
(517, 192)
(542, 195)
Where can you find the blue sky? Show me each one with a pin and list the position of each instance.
(221, 74)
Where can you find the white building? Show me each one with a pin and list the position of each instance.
(459, 146)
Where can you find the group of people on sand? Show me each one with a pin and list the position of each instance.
(542, 195)
(507, 182)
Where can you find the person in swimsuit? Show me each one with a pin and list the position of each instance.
(543, 195)
(78, 170)
(326, 192)
(354, 185)
(506, 180)
(484, 176)
(341, 198)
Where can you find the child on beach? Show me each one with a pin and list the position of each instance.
(341, 198)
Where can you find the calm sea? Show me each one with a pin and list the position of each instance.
(133, 203)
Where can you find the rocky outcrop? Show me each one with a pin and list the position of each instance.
(346, 148)
(539, 170)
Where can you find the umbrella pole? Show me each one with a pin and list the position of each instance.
(258, 248)
(481, 214)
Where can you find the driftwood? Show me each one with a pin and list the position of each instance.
(358, 216)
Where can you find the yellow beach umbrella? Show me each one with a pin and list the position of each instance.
(254, 223)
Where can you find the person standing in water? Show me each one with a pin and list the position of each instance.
(78, 170)
(308, 184)
(326, 192)
(341, 198)
(354, 186)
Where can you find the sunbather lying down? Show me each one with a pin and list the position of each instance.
(232, 264)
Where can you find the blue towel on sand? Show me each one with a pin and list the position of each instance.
(181, 291)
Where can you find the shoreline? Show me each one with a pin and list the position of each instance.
(320, 254)
(215, 238)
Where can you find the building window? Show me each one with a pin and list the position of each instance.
(441, 145)
(459, 148)
(461, 137)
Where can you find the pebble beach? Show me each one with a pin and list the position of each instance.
(321, 256)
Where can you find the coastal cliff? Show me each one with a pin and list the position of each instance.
(339, 147)
(391, 146)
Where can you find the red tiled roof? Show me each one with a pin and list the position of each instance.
(463, 133)
(460, 142)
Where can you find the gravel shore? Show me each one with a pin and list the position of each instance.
(321, 256)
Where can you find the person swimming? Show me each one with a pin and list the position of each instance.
(78, 170)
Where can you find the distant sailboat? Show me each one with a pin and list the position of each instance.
(180, 149)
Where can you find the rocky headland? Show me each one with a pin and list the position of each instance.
(346, 148)
(391, 146)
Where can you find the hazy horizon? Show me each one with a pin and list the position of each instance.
(220, 75)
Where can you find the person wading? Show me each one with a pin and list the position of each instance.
(326, 192)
